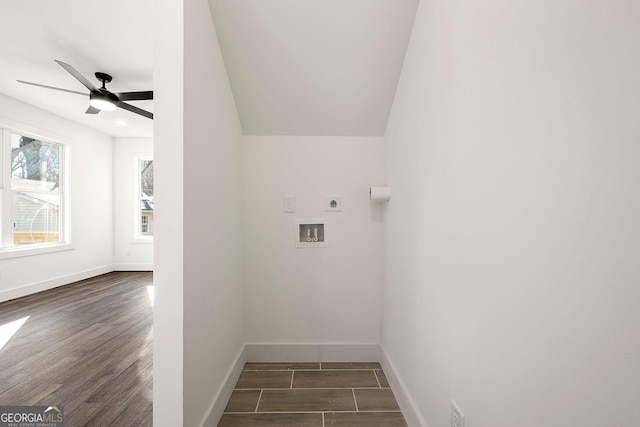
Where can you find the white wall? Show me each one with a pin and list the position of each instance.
(168, 147)
(198, 270)
(213, 322)
(312, 295)
(513, 237)
(90, 189)
(130, 253)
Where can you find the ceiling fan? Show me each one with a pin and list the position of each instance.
(101, 98)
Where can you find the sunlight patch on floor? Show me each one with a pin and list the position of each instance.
(150, 290)
(8, 330)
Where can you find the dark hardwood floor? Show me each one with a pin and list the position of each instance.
(87, 347)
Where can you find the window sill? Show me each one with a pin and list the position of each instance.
(142, 240)
(8, 253)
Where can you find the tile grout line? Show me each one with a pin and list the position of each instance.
(313, 370)
(323, 420)
(372, 411)
(353, 391)
(258, 404)
(317, 388)
(293, 372)
(375, 374)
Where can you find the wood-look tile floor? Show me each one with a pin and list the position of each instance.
(313, 395)
(87, 347)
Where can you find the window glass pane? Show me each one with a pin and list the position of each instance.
(146, 197)
(35, 164)
(36, 218)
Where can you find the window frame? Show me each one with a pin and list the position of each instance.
(7, 247)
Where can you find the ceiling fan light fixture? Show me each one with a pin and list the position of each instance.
(101, 98)
(101, 102)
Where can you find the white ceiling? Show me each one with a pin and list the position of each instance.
(314, 67)
(115, 37)
(297, 67)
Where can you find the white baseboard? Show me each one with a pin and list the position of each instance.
(312, 352)
(216, 408)
(407, 405)
(22, 291)
(133, 267)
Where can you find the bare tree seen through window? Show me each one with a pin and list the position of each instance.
(146, 197)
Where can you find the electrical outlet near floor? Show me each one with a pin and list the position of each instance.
(457, 416)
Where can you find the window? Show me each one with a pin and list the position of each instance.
(32, 191)
(144, 224)
(145, 176)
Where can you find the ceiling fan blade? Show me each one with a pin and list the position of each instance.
(135, 96)
(134, 109)
(77, 75)
(92, 110)
(51, 87)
